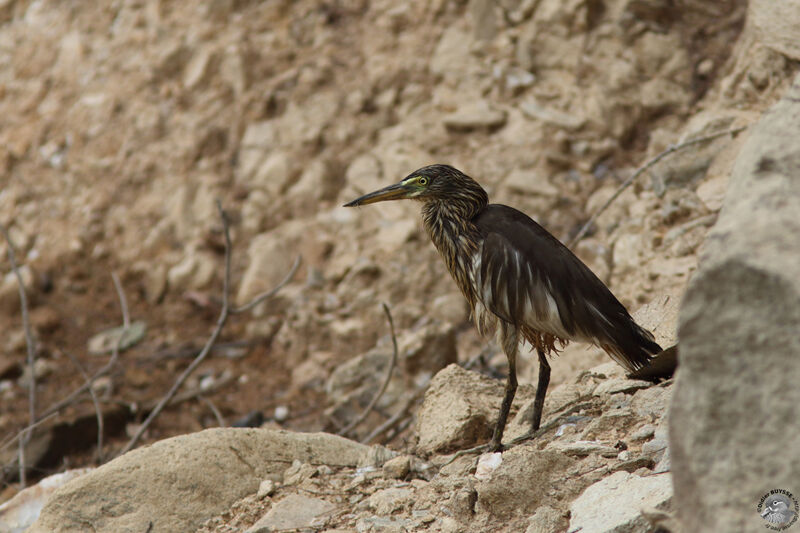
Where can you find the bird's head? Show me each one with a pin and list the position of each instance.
(430, 184)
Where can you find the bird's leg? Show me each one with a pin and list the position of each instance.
(508, 335)
(541, 390)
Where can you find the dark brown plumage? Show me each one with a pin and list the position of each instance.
(518, 279)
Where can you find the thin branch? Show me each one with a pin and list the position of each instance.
(366, 412)
(123, 303)
(54, 409)
(269, 294)
(398, 416)
(23, 299)
(223, 317)
(214, 410)
(639, 171)
(97, 410)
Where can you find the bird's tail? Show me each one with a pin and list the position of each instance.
(632, 346)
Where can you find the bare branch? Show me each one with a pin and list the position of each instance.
(639, 171)
(366, 412)
(123, 303)
(396, 418)
(214, 410)
(54, 409)
(97, 410)
(23, 299)
(223, 317)
(269, 294)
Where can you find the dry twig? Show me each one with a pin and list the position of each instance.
(23, 299)
(97, 410)
(54, 409)
(349, 427)
(223, 317)
(214, 410)
(396, 418)
(270, 293)
(639, 171)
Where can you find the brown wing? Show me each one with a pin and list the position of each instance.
(527, 277)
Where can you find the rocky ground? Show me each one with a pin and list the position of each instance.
(123, 122)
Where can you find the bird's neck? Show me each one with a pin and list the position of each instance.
(456, 237)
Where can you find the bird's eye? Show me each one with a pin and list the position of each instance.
(423, 180)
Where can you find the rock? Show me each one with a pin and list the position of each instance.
(736, 392)
(777, 26)
(195, 271)
(546, 520)
(451, 58)
(266, 488)
(106, 341)
(428, 349)
(614, 386)
(387, 501)
(293, 512)
(522, 482)
(582, 448)
(614, 504)
(532, 109)
(484, 19)
(487, 464)
(19, 513)
(658, 445)
(530, 182)
(459, 410)
(398, 468)
(178, 483)
(270, 257)
(9, 289)
(476, 115)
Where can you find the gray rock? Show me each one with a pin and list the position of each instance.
(615, 504)
(523, 481)
(618, 385)
(293, 512)
(178, 483)
(582, 448)
(476, 115)
(535, 110)
(397, 468)
(546, 520)
(777, 25)
(459, 410)
(733, 435)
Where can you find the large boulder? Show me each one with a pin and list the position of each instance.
(176, 484)
(733, 430)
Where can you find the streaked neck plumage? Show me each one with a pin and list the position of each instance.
(450, 227)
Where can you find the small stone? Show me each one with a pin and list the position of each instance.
(281, 413)
(546, 520)
(533, 109)
(265, 488)
(615, 503)
(582, 448)
(643, 433)
(398, 467)
(614, 386)
(387, 501)
(292, 513)
(488, 463)
(106, 341)
(477, 115)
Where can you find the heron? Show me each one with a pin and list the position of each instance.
(519, 280)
